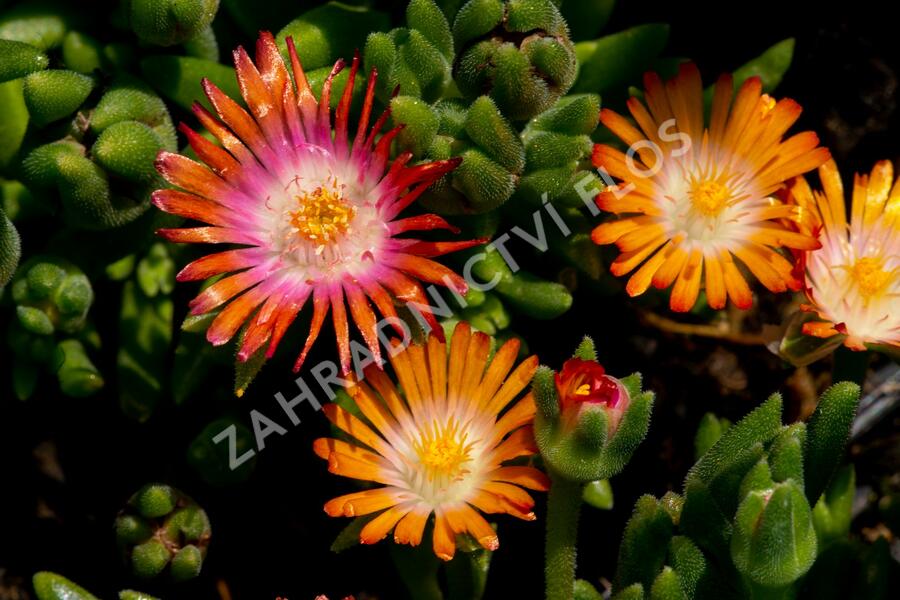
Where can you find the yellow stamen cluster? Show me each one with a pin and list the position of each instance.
(870, 277)
(443, 451)
(323, 214)
(709, 197)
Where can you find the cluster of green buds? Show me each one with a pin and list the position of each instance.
(52, 298)
(587, 426)
(65, 132)
(758, 508)
(558, 170)
(517, 51)
(417, 59)
(52, 586)
(162, 527)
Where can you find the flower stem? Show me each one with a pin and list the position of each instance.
(563, 507)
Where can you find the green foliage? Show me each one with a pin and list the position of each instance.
(169, 22)
(619, 59)
(746, 526)
(54, 94)
(50, 586)
(417, 58)
(162, 527)
(18, 59)
(331, 31)
(518, 52)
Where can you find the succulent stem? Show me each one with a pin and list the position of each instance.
(563, 507)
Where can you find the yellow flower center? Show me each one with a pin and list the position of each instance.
(870, 277)
(709, 197)
(443, 452)
(322, 214)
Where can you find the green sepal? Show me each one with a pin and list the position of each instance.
(18, 59)
(349, 535)
(828, 430)
(598, 494)
(50, 586)
(543, 387)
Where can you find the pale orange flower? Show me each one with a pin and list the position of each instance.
(695, 195)
(853, 282)
(439, 447)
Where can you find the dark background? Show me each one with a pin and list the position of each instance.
(270, 536)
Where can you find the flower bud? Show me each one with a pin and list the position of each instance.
(774, 542)
(170, 22)
(518, 50)
(583, 386)
(160, 527)
(587, 423)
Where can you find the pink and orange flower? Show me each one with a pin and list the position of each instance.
(696, 197)
(853, 282)
(439, 447)
(584, 384)
(316, 213)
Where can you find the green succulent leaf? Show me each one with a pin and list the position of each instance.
(615, 61)
(642, 553)
(331, 31)
(50, 586)
(170, 22)
(18, 59)
(828, 430)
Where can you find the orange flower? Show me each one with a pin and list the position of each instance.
(853, 282)
(439, 447)
(698, 195)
